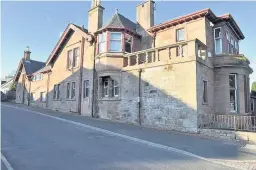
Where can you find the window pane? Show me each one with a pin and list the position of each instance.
(232, 81)
(69, 62)
(102, 47)
(205, 92)
(180, 35)
(115, 45)
(232, 100)
(218, 46)
(76, 54)
(217, 33)
(115, 36)
(128, 47)
(86, 88)
(68, 90)
(73, 92)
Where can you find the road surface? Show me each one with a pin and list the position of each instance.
(31, 141)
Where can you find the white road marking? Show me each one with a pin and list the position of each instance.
(156, 145)
(6, 163)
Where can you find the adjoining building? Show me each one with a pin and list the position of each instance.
(161, 75)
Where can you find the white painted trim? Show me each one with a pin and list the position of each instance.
(110, 32)
(145, 142)
(236, 108)
(217, 38)
(6, 163)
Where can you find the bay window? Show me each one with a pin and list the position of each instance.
(218, 40)
(128, 44)
(115, 42)
(233, 92)
(102, 42)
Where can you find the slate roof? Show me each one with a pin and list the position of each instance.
(82, 29)
(44, 69)
(121, 22)
(32, 66)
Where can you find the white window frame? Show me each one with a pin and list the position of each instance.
(76, 57)
(86, 86)
(104, 42)
(68, 91)
(41, 97)
(177, 34)
(121, 41)
(232, 42)
(116, 85)
(105, 88)
(69, 59)
(216, 39)
(235, 88)
(73, 88)
(56, 89)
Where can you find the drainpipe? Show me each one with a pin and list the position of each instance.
(47, 89)
(93, 75)
(81, 77)
(139, 97)
(29, 91)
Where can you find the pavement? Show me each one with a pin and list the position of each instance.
(35, 138)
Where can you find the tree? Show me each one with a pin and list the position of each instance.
(254, 86)
(13, 87)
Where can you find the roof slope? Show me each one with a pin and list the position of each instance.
(32, 66)
(119, 21)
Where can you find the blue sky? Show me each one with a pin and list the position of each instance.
(39, 24)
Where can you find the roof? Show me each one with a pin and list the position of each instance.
(199, 14)
(7, 84)
(32, 66)
(44, 69)
(81, 28)
(70, 29)
(195, 15)
(118, 21)
(228, 18)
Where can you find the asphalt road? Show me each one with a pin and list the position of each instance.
(35, 142)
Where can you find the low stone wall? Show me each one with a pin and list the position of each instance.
(229, 135)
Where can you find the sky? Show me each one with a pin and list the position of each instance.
(40, 24)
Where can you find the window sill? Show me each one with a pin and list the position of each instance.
(109, 99)
(70, 99)
(56, 100)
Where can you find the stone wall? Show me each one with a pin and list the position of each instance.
(168, 97)
(229, 135)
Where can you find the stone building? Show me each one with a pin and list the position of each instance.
(162, 75)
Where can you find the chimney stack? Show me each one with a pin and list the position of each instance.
(27, 54)
(95, 17)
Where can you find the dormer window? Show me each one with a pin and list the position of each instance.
(115, 42)
(102, 42)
